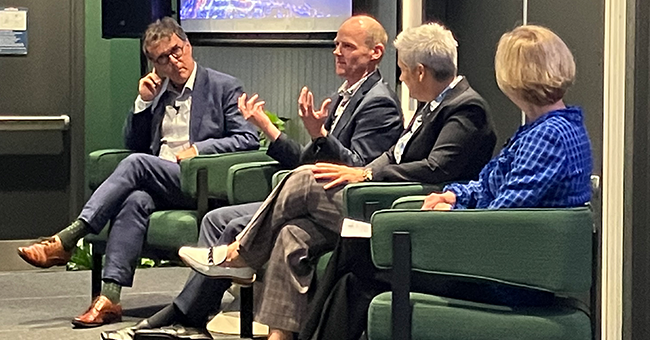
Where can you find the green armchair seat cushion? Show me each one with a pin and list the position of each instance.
(547, 249)
(168, 230)
(171, 229)
(439, 318)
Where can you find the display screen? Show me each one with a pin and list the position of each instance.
(263, 16)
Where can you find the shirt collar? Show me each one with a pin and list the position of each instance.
(189, 84)
(434, 104)
(344, 90)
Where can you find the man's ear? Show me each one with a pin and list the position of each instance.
(420, 71)
(377, 51)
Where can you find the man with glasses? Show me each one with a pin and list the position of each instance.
(182, 110)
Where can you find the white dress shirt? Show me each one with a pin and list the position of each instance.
(347, 93)
(175, 130)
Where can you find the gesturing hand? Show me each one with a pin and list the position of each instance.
(337, 174)
(313, 121)
(442, 201)
(150, 85)
(253, 111)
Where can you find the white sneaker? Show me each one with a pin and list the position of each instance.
(207, 261)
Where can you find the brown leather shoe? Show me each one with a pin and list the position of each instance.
(101, 312)
(46, 253)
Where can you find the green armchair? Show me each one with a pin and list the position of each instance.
(203, 177)
(547, 250)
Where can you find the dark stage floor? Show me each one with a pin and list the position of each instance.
(39, 304)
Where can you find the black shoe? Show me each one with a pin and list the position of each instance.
(127, 333)
(175, 332)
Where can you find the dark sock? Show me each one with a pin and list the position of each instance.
(165, 317)
(73, 233)
(112, 290)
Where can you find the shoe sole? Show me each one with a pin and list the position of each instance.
(205, 271)
(81, 324)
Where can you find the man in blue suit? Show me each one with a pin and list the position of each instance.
(182, 110)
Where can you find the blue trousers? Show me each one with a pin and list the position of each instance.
(140, 185)
(201, 296)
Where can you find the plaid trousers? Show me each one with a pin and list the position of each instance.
(297, 223)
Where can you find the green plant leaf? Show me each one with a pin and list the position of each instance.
(82, 258)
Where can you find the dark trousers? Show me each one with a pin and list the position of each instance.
(339, 306)
(140, 185)
(201, 296)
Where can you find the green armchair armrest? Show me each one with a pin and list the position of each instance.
(409, 202)
(216, 169)
(251, 182)
(101, 164)
(361, 200)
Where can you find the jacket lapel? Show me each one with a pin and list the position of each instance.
(336, 99)
(428, 116)
(200, 98)
(354, 102)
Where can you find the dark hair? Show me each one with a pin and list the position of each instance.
(162, 28)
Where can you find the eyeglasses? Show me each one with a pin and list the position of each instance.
(176, 52)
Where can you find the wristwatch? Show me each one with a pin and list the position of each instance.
(367, 174)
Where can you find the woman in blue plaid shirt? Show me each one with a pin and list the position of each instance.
(547, 163)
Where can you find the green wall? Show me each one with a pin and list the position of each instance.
(112, 74)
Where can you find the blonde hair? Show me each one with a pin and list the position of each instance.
(534, 64)
(431, 45)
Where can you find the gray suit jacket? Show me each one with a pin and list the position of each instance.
(369, 125)
(216, 125)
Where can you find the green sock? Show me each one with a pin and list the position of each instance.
(112, 290)
(73, 233)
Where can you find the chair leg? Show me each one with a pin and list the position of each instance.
(96, 275)
(401, 285)
(246, 312)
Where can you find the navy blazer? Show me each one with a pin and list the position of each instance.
(370, 124)
(216, 125)
(453, 143)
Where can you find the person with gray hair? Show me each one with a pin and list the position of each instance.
(449, 139)
(182, 110)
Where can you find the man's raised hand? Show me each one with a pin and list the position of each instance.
(314, 121)
(150, 85)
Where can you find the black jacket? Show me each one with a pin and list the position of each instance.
(453, 143)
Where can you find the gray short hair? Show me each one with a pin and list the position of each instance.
(431, 45)
(160, 29)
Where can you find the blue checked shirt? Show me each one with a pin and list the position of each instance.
(546, 164)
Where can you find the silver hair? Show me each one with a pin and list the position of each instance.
(431, 45)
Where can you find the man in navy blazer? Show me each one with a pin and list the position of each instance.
(182, 110)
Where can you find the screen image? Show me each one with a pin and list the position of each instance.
(263, 16)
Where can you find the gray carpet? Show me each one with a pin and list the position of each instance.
(39, 304)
